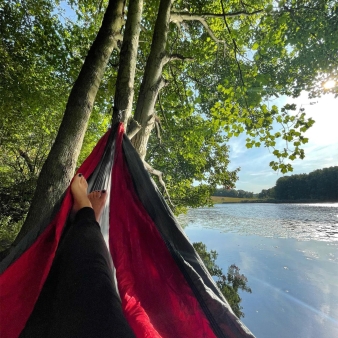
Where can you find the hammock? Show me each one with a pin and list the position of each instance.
(153, 258)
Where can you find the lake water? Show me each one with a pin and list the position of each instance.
(288, 252)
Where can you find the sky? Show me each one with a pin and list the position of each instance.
(320, 152)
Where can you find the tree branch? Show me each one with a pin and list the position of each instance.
(184, 16)
(158, 128)
(161, 108)
(177, 18)
(133, 128)
(28, 161)
(176, 56)
(235, 50)
(159, 174)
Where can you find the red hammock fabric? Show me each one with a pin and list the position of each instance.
(159, 297)
(21, 282)
(156, 299)
(153, 291)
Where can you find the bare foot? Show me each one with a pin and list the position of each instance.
(98, 200)
(79, 190)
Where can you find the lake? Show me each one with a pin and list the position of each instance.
(288, 252)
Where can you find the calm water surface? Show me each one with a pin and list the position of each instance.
(289, 253)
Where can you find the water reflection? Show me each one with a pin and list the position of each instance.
(289, 253)
(299, 221)
(230, 283)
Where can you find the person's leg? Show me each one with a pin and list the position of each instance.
(39, 322)
(85, 302)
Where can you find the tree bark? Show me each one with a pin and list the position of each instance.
(178, 18)
(152, 81)
(59, 167)
(124, 94)
(186, 16)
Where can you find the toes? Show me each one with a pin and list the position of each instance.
(80, 180)
(77, 178)
(96, 194)
(103, 195)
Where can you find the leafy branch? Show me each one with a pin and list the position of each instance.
(235, 49)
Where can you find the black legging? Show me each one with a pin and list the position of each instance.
(79, 298)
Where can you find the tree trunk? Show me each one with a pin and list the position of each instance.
(124, 94)
(59, 167)
(152, 81)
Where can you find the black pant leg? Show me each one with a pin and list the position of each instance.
(87, 304)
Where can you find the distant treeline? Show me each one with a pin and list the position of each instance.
(320, 185)
(233, 193)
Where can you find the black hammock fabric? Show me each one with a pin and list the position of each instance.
(164, 287)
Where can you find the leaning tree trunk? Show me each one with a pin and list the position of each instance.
(59, 167)
(124, 94)
(152, 81)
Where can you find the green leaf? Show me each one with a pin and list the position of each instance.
(255, 46)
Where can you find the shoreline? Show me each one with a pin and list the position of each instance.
(229, 200)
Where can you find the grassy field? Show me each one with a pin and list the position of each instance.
(219, 199)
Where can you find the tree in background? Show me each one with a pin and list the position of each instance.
(202, 73)
(267, 193)
(232, 193)
(320, 185)
(230, 283)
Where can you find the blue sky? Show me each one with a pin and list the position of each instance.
(321, 151)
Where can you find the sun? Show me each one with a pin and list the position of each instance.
(329, 84)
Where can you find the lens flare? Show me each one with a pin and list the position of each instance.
(329, 84)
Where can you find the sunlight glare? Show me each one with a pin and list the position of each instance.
(329, 84)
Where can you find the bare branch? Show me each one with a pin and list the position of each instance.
(192, 16)
(176, 56)
(180, 17)
(158, 128)
(161, 108)
(118, 37)
(159, 174)
(161, 83)
(133, 128)
(178, 24)
(28, 161)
